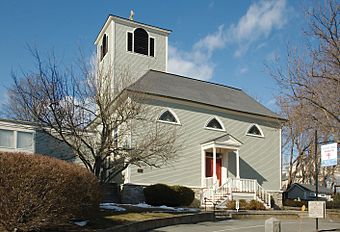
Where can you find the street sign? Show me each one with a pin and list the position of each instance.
(329, 154)
(317, 209)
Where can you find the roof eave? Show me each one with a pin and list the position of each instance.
(118, 18)
(239, 111)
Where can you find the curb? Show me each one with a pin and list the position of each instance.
(161, 222)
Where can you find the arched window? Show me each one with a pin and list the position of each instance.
(214, 123)
(255, 130)
(141, 41)
(168, 116)
(104, 47)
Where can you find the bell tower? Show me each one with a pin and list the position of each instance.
(129, 48)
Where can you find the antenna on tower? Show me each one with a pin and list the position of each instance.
(132, 13)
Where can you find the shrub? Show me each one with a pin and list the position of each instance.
(335, 204)
(255, 205)
(243, 204)
(186, 195)
(196, 203)
(40, 192)
(161, 194)
(295, 203)
(231, 204)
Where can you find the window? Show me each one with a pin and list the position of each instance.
(6, 138)
(25, 140)
(129, 41)
(104, 47)
(255, 130)
(152, 47)
(17, 140)
(140, 42)
(214, 124)
(169, 117)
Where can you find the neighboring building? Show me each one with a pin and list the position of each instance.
(19, 136)
(232, 143)
(307, 192)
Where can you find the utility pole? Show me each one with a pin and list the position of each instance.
(316, 175)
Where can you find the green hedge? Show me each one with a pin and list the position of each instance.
(39, 192)
(161, 194)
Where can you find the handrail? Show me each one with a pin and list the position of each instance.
(263, 195)
(236, 185)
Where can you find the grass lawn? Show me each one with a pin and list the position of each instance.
(105, 219)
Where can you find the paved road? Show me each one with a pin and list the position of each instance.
(299, 225)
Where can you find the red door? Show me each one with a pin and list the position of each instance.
(209, 167)
(218, 170)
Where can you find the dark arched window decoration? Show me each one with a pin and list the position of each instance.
(255, 130)
(104, 47)
(141, 41)
(215, 124)
(167, 116)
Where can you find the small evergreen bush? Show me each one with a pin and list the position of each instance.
(161, 194)
(39, 192)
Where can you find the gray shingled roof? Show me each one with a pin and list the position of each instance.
(184, 88)
(312, 188)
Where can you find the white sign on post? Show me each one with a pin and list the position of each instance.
(317, 209)
(329, 154)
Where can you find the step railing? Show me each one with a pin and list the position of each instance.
(263, 194)
(215, 193)
(235, 185)
(243, 185)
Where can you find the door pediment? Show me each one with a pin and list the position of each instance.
(224, 141)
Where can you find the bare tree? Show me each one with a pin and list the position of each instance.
(310, 87)
(107, 130)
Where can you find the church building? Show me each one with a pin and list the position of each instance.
(231, 143)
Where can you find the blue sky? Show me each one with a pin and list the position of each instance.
(221, 41)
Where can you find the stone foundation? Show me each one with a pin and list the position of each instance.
(111, 192)
(277, 197)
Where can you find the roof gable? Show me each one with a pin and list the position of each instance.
(310, 188)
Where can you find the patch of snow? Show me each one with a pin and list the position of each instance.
(114, 206)
(81, 223)
(166, 207)
(111, 206)
(143, 205)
